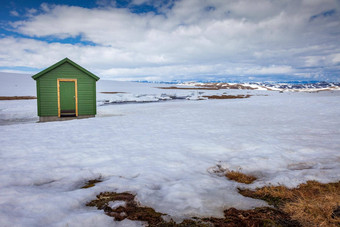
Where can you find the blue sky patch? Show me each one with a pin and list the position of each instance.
(327, 13)
(19, 68)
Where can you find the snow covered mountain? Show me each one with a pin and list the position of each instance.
(307, 87)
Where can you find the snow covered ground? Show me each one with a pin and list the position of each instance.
(164, 152)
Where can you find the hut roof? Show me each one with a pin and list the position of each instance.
(36, 76)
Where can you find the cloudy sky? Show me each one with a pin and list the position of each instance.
(245, 40)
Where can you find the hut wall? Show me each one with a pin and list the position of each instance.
(48, 96)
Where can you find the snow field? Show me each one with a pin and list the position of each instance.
(165, 153)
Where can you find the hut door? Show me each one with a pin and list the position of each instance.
(67, 98)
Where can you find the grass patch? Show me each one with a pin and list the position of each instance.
(227, 86)
(240, 177)
(129, 208)
(227, 96)
(311, 204)
(190, 88)
(262, 216)
(112, 92)
(17, 97)
(212, 86)
(91, 183)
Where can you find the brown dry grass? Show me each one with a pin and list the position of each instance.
(314, 203)
(17, 97)
(227, 86)
(311, 204)
(190, 88)
(212, 86)
(112, 92)
(91, 183)
(240, 177)
(132, 210)
(227, 96)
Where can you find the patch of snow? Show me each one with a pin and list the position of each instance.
(13, 84)
(256, 86)
(18, 111)
(115, 204)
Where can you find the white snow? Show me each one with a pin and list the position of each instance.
(164, 152)
(18, 111)
(14, 84)
(116, 204)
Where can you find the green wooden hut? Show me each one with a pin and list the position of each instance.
(65, 89)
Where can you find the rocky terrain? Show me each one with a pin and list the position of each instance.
(319, 86)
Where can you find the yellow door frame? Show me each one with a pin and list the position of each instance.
(75, 91)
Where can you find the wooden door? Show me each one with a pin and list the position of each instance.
(67, 98)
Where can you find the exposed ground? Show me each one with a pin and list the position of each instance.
(212, 86)
(190, 88)
(310, 204)
(16, 97)
(91, 183)
(240, 177)
(112, 92)
(129, 208)
(227, 96)
(124, 205)
(225, 86)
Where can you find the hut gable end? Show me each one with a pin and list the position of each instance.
(58, 64)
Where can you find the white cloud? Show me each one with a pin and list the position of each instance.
(106, 3)
(14, 13)
(140, 2)
(283, 69)
(31, 12)
(336, 58)
(194, 37)
(45, 7)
